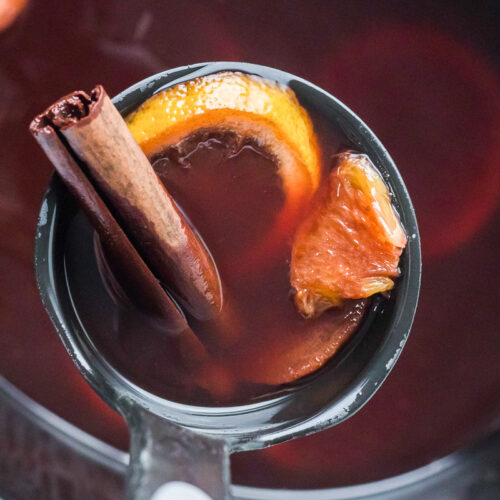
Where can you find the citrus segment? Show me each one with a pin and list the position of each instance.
(350, 244)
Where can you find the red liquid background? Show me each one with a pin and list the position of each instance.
(421, 76)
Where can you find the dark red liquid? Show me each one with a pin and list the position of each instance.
(232, 193)
(422, 75)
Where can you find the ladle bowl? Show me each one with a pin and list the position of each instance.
(174, 441)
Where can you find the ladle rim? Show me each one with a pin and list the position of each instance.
(238, 425)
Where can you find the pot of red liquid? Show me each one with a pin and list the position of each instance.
(257, 405)
(369, 447)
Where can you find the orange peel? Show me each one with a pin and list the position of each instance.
(246, 104)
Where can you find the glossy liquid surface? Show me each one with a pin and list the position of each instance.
(437, 117)
(232, 193)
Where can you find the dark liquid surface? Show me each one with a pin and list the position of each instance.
(437, 117)
(232, 193)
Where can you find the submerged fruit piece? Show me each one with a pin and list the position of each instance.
(350, 244)
(255, 110)
(303, 350)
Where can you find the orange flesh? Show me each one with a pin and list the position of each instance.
(350, 244)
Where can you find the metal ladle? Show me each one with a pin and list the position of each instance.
(178, 442)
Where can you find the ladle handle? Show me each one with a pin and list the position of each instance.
(161, 452)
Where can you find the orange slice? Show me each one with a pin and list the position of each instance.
(350, 244)
(246, 104)
(252, 107)
(306, 348)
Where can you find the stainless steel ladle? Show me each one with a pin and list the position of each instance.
(178, 442)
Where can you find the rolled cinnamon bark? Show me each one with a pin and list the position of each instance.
(97, 136)
(137, 280)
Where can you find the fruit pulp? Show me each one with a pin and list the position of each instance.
(349, 244)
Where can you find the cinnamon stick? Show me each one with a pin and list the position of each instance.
(140, 285)
(95, 133)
